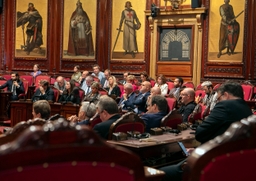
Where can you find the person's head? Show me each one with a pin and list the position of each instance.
(130, 79)
(107, 107)
(41, 109)
(161, 79)
(107, 73)
(155, 91)
(95, 87)
(143, 76)
(112, 81)
(178, 81)
(230, 90)
(128, 4)
(128, 89)
(87, 110)
(226, 1)
(187, 95)
(126, 75)
(15, 76)
(157, 104)
(85, 73)
(60, 80)
(145, 87)
(207, 87)
(44, 83)
(79, 8)
(96, 69)
(89, 80)
(36, 67)
(76, 68)
(31, 7)
(70, 85)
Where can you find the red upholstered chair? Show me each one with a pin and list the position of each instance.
(53, 80)
(171, 103)
(41, 77)
(153, 82)
(103, 91)
(29, 78)
(95, 120)
(172, 119)
(25, 84)
(199, 87)
(198, 92)
(199, 113)
(81, 94)
(56, 94)
(7, 76)
(188, 84)
(227, 157)
(61, 151)
(170, 85)
(248, 91)
(216, 87)
(128, 122)
(3, 82)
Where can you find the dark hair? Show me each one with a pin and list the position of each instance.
(160, 102)
(108, 104)
(72, 86)
(37, 66)
(77, 66)
(163, 78)
(44, 82)
(17, 75)
(233, 88)
(42, 107)
(180, 80)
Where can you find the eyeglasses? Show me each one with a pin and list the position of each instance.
(184, 94)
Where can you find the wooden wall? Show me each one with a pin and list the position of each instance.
(54, 63)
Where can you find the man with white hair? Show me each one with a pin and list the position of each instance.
(86, 85)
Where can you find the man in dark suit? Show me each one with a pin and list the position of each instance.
(157, 109)
(230, 108)
(126, 101)
(44, 92)
(108, 111)
(141, 98)
(14, 85)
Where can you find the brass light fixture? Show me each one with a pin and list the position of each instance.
(175, 3)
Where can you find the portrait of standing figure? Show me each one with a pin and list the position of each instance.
(229, 29)
(131, 25)
(34, 37)
(80, 40)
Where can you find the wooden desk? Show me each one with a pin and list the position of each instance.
(22, 110)
(165, 150)
(5, 98)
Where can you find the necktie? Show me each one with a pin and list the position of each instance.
(88, 89)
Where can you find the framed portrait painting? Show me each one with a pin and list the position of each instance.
(79, 29)
(128, 30)
(31, 28)
(226, 30)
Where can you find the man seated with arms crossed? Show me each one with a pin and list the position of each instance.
(60, 84)
(41, 109)
(157, 109)
(86, 84)
(86, 112)
(230, 108)
(126, 101)
(44, 92)
(175, 92)
(187, 103)
(141, 99)
(108, 111)
(14, 85)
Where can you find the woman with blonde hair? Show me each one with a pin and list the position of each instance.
(113, 89)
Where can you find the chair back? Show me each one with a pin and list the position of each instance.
(199, 113)
(153, 82)
(171, 103)
(53, 80)
(25, 85)
(127, 122)
(234, 150)
(248, 91)
(172, 119)
(58, 150)
(3, 82)
(188, 84)
(7, 76)
(103, 91)
(56, 94)
(95, 120)
(81, 93)
(215, 88)
(29, 78)
(41, 77)
(170, 85)
(198, 92)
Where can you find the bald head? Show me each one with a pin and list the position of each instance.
(145, 87)
(187, 95)
(155, 91)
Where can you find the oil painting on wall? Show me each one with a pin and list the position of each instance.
(31, 28)
(226, 30)
(128, 29)
(79, 29)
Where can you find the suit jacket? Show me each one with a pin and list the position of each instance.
(128, 104)
(92, 98)
(49, 95)
(19, 90)
(116, 91)
(152, 120)
(73, 97)
(221, 117)
(140, 102)
(103, 128)
(186, 110)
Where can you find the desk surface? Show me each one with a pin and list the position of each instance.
(156, 140)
